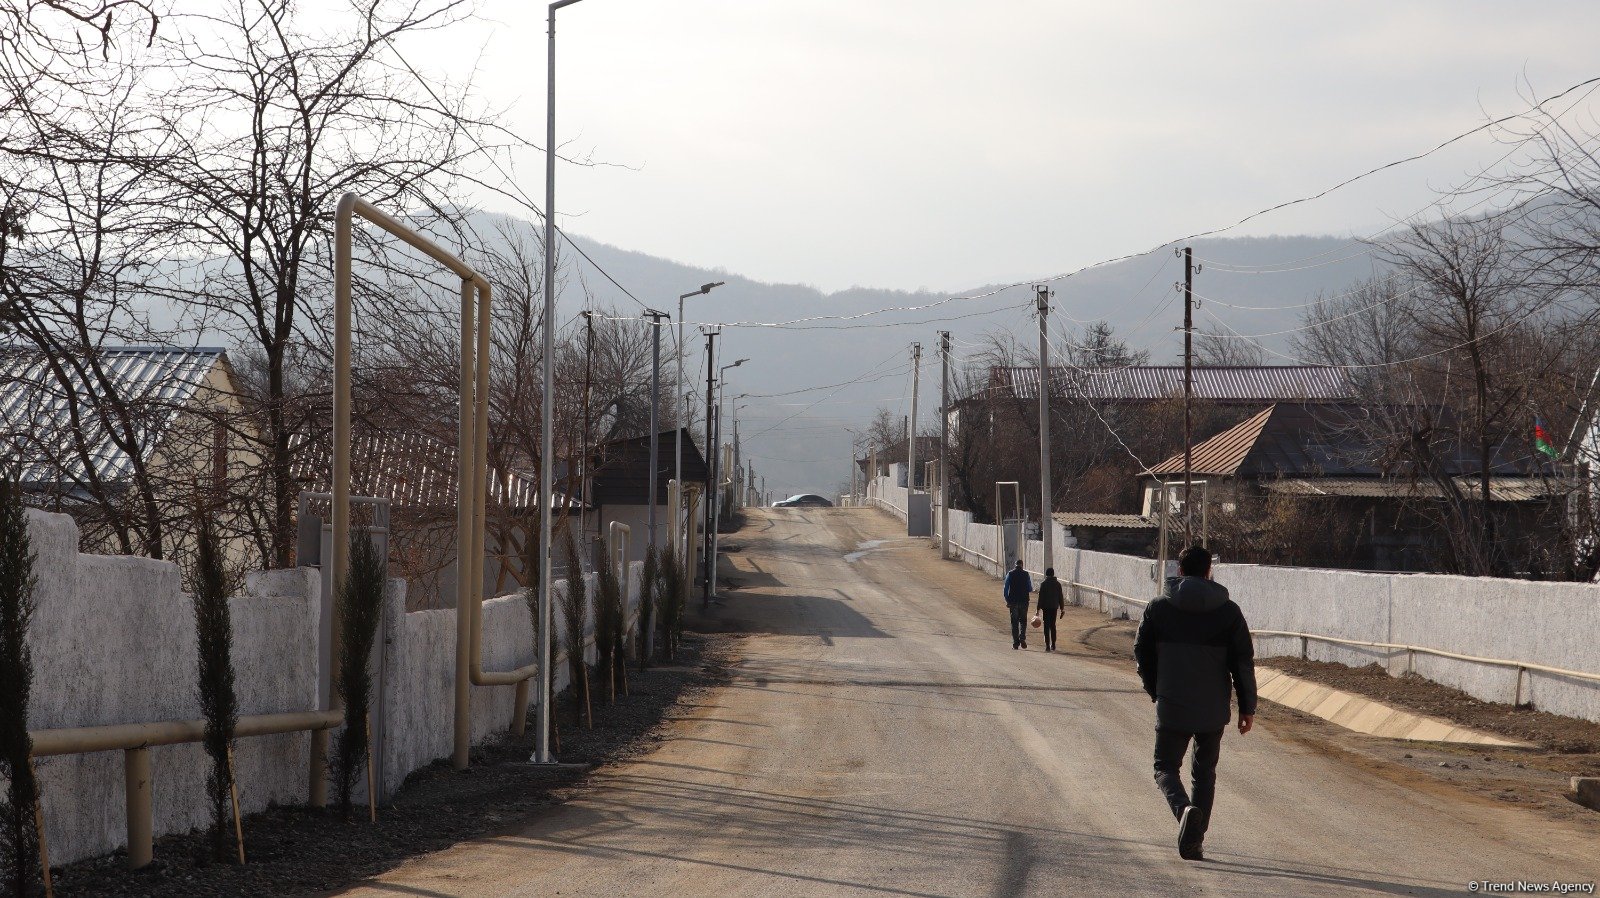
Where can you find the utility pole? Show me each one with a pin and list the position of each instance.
(1188, 391)
(655, 413)
(944, 448)
(911, 424)
(655, 452)
(1042, 299)
(583, 470)
(711, 458)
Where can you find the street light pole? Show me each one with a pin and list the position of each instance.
(682, 400)
(546, 435)
(717, 474)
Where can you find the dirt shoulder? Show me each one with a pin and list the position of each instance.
(298, 851)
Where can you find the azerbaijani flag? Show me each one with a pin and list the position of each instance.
(1541, 439)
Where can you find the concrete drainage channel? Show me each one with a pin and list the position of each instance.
(1365, 715)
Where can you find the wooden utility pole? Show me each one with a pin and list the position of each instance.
(944, 448)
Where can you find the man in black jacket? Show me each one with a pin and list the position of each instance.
(1192, 641)
(1050, 606)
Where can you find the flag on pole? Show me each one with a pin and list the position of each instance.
(1541, 439)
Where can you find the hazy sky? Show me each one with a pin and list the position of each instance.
(893, 143)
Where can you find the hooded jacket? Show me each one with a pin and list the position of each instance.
(1050, 597)
(1192, 642)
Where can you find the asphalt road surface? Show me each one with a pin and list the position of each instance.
(881, 737)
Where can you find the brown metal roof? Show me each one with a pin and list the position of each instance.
(1322, 441)
(1223, 384)
(1224, 453)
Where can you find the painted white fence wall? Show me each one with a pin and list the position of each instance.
(1551, 624)
(113, 641)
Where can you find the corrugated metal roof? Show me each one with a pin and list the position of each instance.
(37, 408)
(1224, 453)
(411, 469)
(1322, 440)
(1113, 521)
(1501, 489)
(1228, 383)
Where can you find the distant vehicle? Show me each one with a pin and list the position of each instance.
(804, 500)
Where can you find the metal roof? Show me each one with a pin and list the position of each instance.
(1224, 453)
(1225, 383)
(37, 408)
(409, 468)
(1322, 441)
(1110, 521)
(1501, 489)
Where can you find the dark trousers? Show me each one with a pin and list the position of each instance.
(1050, 616)
(1171, 746)
(1019, 623)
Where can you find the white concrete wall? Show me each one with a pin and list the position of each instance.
(113, 641)
(1552, 624)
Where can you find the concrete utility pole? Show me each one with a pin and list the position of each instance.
(655, 415)
(1188, 392)
(911, 425)
(655, 450)
(588, 387)
(711, 458)
(1042, 298)
(944, 448)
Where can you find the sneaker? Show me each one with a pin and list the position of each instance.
(1189, 839)
(1024, 643)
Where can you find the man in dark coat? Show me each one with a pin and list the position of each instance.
(1051, 606)
(1017, 588)
(1193, 644)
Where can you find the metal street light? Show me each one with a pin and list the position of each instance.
(714, 490)
(546, 436)
(683, 409)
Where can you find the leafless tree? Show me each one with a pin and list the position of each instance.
(269, 124)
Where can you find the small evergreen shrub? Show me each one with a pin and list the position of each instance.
(360, 610)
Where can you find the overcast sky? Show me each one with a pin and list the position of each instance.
(923, 143)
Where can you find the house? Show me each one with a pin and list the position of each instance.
(415, 475)
(1250, 385)
(1315, 457)
(895, 454)
(130, 440)
(620, 486)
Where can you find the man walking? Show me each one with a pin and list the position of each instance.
(1051, 606)
(1192, 642)
(1016, 591)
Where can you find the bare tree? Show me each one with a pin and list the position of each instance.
(270, 123)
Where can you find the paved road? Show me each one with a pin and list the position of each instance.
(882, 738)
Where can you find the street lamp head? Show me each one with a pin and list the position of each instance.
(738, 363)
(707, 288)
